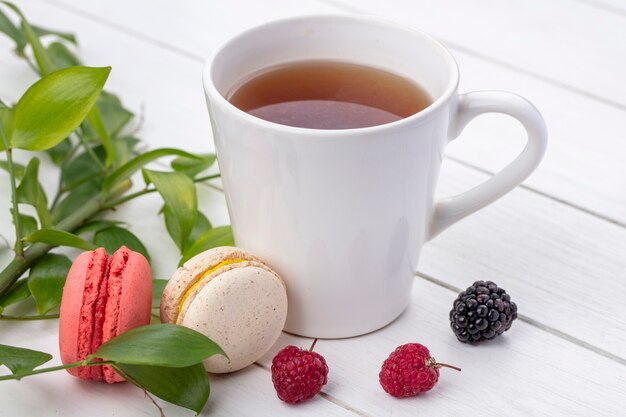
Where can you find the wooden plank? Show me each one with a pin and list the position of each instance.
(577, 168)
(524, 372)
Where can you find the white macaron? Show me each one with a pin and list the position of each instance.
(233, 298)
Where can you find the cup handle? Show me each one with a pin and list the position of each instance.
(449, 210)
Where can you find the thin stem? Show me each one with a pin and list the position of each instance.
(432, 362)
(24, 318)
(115, 203)
(111, 204)
(313, 345)
(19, 245)
(207, 178)
(138, 385)
(89, 149)
(53, 369)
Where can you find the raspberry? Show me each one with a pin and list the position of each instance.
(298, 374)
(410, 370)
(482, 312)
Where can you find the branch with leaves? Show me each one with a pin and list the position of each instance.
(88, 135)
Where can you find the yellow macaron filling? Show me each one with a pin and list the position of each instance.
(204, 275)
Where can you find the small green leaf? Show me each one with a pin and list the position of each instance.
(76, 198)
(96, 226)
(114, 115)
(82, 168)
(112, 238)
(199, 228)
(179, 193)
(158, 285)
(55, 106)
(46, 281)
(41, 32)
(18, 292)
(31, 192)
(168, 345)
(8, 28)
(137, 163)
(219, 236)
(22, 360)
(61, 56)
(193, 167)
(18, 169)
(28, 224)
(124, 150)
(58, 152)
(43, 60)
(95, 120)
(59, 238)
(186, 387)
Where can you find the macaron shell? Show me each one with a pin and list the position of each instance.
(190, 272)
(129, 299)
(218, 272)
(243, 310)
(76, 318)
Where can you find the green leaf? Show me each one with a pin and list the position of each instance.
(22, 360)
(179, 193)
(193, 167)
(219, 236)
(186, 387)
(59, 238)
(168, 345)
(158, 285)
(112, 238)
(96, 226)
(61, 56)
(28, 224)
(31, 192)
(41, 56)
(6, 124)
(76, 198)
(18, 169)
(46, 281)
(200, 227)
(114, 115)
(18, 292)
(8, 28)
(124, 150)
(41, 32)
(55, 106)
(95, 120)
(137, 163)
(81, 169)
(58, 152)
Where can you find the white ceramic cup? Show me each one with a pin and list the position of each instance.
(342, 215)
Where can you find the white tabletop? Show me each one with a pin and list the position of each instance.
(557, 243)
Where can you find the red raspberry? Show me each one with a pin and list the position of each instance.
(298, 374)
(410, 370)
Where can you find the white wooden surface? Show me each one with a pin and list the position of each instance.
(557, 244)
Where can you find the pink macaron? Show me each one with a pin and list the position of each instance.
(103, 297)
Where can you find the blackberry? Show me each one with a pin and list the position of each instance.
(482, 312)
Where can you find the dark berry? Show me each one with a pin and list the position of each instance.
(298, 374)
(410, 370)
(482, 312)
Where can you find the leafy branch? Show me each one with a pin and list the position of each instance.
(68, 118)
(163, 359)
